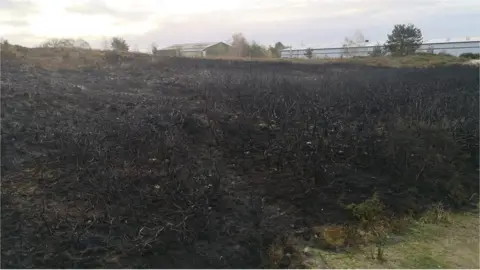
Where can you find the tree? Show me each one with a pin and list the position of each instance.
(82, 44)
(58, 43)
(66, 43)
(404, 40)
(4, 42)
(309, 53)
(240, 47)
(119, 44)
(277, 49)
(4, 45)
(377, 51)
(470, 55)
(351, 44)
(256, 50)
(154, 48)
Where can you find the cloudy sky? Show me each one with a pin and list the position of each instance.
(294, 22)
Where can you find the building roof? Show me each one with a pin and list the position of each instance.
(334, 46)
(373, 43)
(192, 47)
(448, 40)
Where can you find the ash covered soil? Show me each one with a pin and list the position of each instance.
(202, 163)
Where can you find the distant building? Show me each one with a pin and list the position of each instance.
(195, 49)
(451, 46)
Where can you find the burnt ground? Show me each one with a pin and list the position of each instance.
(202, 163)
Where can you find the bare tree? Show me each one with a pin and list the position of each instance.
(58, 43)
(82, 44)
(154, 48)
(351, 44)
(239, 46)
(65, 43)
(4, 42)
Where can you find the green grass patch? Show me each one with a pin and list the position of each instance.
(453, 244)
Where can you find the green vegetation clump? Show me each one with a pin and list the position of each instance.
(470, 55)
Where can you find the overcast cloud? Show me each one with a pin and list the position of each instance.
(294, 22)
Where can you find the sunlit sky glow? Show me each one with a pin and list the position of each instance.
(294, 22)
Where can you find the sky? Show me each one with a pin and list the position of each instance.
(316, 23)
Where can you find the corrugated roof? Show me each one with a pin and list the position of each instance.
(446, 40)
(373, 43)
(335, 45)
(191, 47)
(311, 47)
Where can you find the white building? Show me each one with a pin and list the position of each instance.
(455, 46)
(195, 49)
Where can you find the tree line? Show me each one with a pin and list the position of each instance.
(240, 46)
(405, 39)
